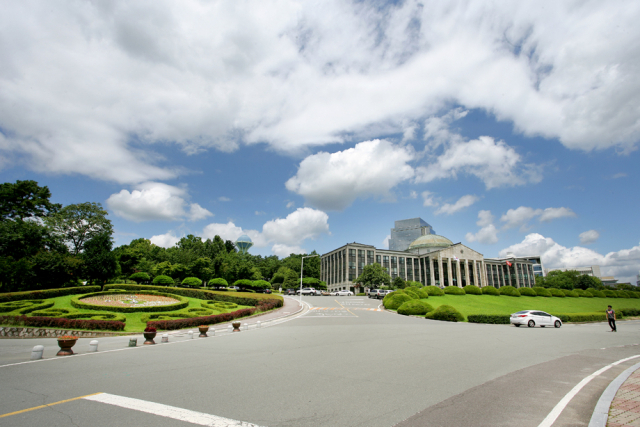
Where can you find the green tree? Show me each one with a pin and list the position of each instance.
(230, 246)
(25, 199)
(99, 261)
(585, 282)
(398, 283)
(201, 268)
(291, 280)
(374, 276)
(76, 224)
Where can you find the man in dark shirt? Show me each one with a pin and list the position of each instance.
(611, 317)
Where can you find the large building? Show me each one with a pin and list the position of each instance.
(406, 231)
(593, 270)
(429, 259)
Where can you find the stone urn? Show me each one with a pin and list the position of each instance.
(236, 326)
(148, 337)
(203, 331)
(65, 343)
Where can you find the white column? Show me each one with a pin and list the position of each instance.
(459, 281)
(449, 278)
(440, 271)
(433, 277)
(485, 280)
(476, 278)
(466, 271)
(517, 275)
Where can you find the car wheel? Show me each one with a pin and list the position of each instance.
(517, 325)
(557, 324)
(531, 324)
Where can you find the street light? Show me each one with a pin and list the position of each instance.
(301, 270)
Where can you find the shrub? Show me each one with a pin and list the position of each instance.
(414, 307)
(263, 284)
(555, 292)
(541, 292)
(490, 290)
(197, 321)
(472, 290)
(243, 283)
(25, 306)
(62, 323)
(219, 305)
(579, 292)
(434, 291)
(453, 290)
(509, 291)
(610, 294)
(53, 312)
(218, 283)
(96, 316)
(622, 294)
(78, 303)
(139, 277)
(446, 313)
(633, 294)
(395, 299)
(414, 284)
(629, 312)
(569, 293)
(597, 294)
(163, 280)
(192, 282)
(199, 311)
(412, 293)
(47, 293)
(581, 317)
(527, 292)
(496, 319)
(422, 293)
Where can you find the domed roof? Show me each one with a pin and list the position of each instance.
(244, 238)
(430, 241)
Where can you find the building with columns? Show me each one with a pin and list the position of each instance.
(430, 260)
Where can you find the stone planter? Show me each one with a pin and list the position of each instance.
(65, 345)
(203, 331)
(236, 326)
(149, 336)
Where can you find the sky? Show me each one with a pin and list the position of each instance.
(511, 127)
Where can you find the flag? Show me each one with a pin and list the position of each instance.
(508, 263)
(455, 258)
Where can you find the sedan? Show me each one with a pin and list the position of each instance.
(342, 293)
(533, 318)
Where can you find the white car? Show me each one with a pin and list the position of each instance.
(342, 293)
(533, 318)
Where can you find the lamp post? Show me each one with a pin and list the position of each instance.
(301, 271)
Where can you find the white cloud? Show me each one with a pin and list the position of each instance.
(260, 213)
(549, 214)
(623, 264)
(488, 234)
(385, 242)
(155, 201)
(224, 199)
(463, 202)
(230, 231)
(413, 195)
(334, 181)
(167, 240)
(284, 251)
(484, 218)
(291, 204)
(429, 200)
(589, 237)
(521, 216)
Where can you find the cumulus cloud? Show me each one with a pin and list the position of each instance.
(224, 199)
(588, 237)
(334, 181)
(429, 199)
(284, 251)
(623, 264)
(167, 240)
(488, 234)
(549, 214)
(521, 216)
(155, 201)
(385, 242)
(463, 202)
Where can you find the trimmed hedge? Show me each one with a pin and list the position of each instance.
(570, 294)
(192, 282)
(163, 280)
(527, 292)
(472, 290)
(453, 290)
(581, 317)
(412, 293)
(445, 313)
(423, 293)
(509, 291)
(219, 305)
(434, 291)
(622, 294)
(579, 292)
(633, 294)
(77, 303)
(197, 321)
(414, 307)
(25, 306)
(597, 294)
(494, 319)
(62, 323)
(490, 290)
(395, 299)
(218, 283)
(140, 276)
(629, 312)
(47, 293)
(556, 292)
(96, 316)
(541, 292)
(609, 293)
(53, 312)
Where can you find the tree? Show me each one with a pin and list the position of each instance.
(291, 280)
(76, 224)
(230, 246)
(201, 268)
(99, 261)
(399, 283)
(140, 277)
(373, 276)
(25, 199)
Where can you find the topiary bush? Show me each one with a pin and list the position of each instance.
(445, 313)
(140, 277)
(434, 291)
(453, 290)
(25, 306)
(495, 319)
(555, 292)
(218, 283)
(490, 290)
(570, 294)
(610, 294)
(579, 292)
(597, 294)
(192, 282)
(414, 307)
(541, 292)
(422, 293)
(509, 291)
(527, 292)
(622, 294)
(633, 294)
(412, 293)
(472, 290)
(395, 299)
(163, 280)
(243, 283)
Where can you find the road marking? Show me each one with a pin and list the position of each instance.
(193, 417)
(47, 405)
(557, 410)
(345, 308)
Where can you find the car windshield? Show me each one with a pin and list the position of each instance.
(522, 312)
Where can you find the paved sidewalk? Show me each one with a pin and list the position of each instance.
(625, 407)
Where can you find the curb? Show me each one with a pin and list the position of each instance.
(601, 412)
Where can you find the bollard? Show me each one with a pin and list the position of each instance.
(36, 353)
(246, 326)
(93, 346)
(165, 338)
(133, 342)
(190, 333)
(213, 332)
(259, 325)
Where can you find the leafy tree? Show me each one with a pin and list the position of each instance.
(77, 224)
(179, 271)
(243, 284)
(140, 277)
(25, 199)
(230, 246)
(99, 261)
(398, 283)
(218, 282)
(291, 280)
(373, 276)
(585, 282)
(163, 280)
(192, 282)
(311, 265)
(201, 268)
(164, 268)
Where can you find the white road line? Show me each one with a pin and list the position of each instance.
(193, 417)
(555, 412)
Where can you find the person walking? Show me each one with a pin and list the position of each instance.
(611, 317)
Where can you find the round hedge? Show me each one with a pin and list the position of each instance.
(412, 293)
(555, 292)
(219, 305)
(622, 294)
(453, 290)
(527, 292)
(140, 276)
(472, 290)
(509, 291)
(199, 311)
(598, 294)
(76, 302)
(610, 294)
(395, 299)
(570, 294)
(541, 292)
(163, 280)
(445, 313)
(422, 292)
(192, 282)
(490, 290)
(218, 283)
(633, 294)
(414, 307)
(579, 292)
(434, 291)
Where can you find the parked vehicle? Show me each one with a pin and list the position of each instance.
(291, 291)
(266, 291)
(325, 293)
(373, 293)
(383, 293)
(533, 318)
(306, 291)
(342, 293)
(318, 293)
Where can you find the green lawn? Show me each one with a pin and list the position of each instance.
(489, 304)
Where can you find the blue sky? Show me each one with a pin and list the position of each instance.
(510, 128)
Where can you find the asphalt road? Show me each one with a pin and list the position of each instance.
(343, 362)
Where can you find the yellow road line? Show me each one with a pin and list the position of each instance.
(47, 405)
(346, 308)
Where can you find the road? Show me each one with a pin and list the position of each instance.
(342, 362)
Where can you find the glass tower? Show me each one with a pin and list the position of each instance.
(406, 231)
